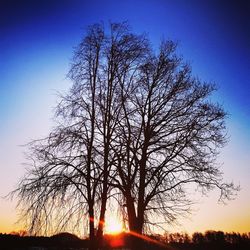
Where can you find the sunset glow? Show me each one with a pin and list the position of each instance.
(113, 225)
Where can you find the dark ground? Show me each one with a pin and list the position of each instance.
(211, 240)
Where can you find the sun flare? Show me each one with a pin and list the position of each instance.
(113, 225)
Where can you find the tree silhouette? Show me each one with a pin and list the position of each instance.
(169, 137)
(136, 126)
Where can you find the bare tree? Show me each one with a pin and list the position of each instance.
(123, 51)
(73, 169)
(170, 136)
(63, 184)
(135, 122)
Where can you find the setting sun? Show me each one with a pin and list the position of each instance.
(113, 225)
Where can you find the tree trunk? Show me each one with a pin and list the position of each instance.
(92, 245)
(135, 230)
(102, 216)
(104, 196)
(132, 219)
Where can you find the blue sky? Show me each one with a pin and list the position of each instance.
(36, 45)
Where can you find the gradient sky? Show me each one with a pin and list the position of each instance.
(36, 44)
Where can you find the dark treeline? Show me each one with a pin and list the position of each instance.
(208, 240)
(60, 241)
(65, 241)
